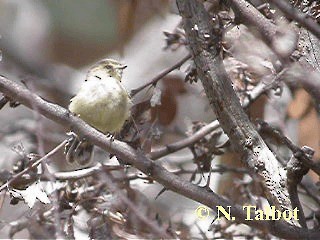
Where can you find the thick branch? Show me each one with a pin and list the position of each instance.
(298, 152)
(204, 46)
(295, 172)
(174, 147)
(298, 16)
(138, 160)
(250, 16)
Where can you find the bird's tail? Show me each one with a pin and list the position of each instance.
(78, 151)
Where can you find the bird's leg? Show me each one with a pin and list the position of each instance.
(83, 152)
(70, 146)
(72, 137)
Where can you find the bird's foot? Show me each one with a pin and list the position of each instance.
(72, 137)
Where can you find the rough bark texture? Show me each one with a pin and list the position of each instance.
(169, 180)
(204, 45)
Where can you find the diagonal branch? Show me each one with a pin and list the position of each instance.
(204, 45)
(137, 159)
(298, 16)
(250, 16)
(161, 75)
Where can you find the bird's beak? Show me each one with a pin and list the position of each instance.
(122, 67)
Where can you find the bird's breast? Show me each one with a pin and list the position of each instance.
(103, 104)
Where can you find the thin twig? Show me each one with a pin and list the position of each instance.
(151, 168)
(298, 16)
(170, 148)
(249, 15)
(34, 165)
(152, 225)
(205, 45)
(297, 151)
(260, 89)
(160, 75)
(87, 172)
(45, 170)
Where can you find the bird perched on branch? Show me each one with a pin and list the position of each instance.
(103, 103)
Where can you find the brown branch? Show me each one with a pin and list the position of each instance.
(297, 151)
(204, 45)
(298, 16)
(137, 159)
(32, 166)
(151, 223)
(173, 147)
(260, 89)
(160, 75)
(295, 172)
(250, 16)
(83, 173)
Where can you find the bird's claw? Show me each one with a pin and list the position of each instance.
(72, 136)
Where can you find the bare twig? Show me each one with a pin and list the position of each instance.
(160, 152)
(153, 169)
(204, 45)
(250, 16)
(298, 16)
(83, 173)
(152, 225)
(160, 75)
(295, 172)
(45, 170)
(34, 165)
(174, 147)
(297, 151)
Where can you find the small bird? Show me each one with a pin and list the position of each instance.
(103, 103)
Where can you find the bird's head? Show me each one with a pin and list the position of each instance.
(110, 67)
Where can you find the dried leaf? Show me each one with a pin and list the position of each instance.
(31, 194)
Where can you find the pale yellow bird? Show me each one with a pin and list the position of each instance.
(103, 103)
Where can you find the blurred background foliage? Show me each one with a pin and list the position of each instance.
(49, 45)
(72, 32)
